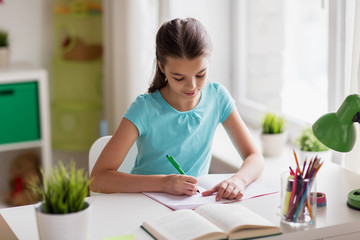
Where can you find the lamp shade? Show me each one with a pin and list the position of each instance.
(337, 130)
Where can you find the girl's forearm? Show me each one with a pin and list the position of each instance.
(112, 181)
(251, 168)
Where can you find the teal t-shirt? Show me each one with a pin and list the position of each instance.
(187, 136)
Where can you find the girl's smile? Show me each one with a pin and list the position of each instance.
(190, 94)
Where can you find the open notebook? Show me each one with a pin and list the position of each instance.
(206, 182)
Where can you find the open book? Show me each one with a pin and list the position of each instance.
(212, 221)
(206, 182)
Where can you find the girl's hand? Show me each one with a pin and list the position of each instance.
(232, 189)
(177, 184)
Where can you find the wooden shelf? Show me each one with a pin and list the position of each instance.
(23, 73)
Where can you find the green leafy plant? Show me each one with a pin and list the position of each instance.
(308, 142)
(273, 124)
(64, 189)
(3, 38)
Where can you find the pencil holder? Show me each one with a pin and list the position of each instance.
(298, 200)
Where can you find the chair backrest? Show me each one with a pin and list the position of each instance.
(97, 147)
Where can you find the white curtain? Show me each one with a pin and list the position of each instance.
(351, 160)
(130, 28)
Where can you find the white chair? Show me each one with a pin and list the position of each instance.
(96, 149)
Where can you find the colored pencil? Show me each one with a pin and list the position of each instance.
(303, 181)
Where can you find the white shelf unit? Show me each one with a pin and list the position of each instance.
(24, 73)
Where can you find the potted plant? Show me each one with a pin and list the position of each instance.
(4, 48)
(63, 212)
(310, 146)
(273, 136)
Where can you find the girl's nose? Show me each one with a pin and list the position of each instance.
(192, 83)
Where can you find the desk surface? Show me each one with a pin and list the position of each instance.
(122, 214)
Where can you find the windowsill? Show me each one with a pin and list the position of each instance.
(226, 159)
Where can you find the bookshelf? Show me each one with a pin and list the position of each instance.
(25, 120)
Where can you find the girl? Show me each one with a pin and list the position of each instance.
(178, 116)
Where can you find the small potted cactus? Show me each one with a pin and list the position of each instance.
(273, 135)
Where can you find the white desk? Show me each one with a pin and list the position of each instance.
(335, 219)
(122, 214)
(112, 215)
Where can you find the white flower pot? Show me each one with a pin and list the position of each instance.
(273, 144)
(63, 226)
(4, 56)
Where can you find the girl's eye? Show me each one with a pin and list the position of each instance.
(179, 79)
(201, 76)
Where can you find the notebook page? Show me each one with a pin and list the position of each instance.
(205, 182)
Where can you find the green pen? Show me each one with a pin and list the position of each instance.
(177, 166)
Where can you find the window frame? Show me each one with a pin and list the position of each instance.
(251, 111)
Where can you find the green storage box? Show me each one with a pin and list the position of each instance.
(19, 112)
(75, 126)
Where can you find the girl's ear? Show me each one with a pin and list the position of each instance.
(160, 66)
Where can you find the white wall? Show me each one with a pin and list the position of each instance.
(215, 16)
(129, 38)
(30, 30)
(264, 64)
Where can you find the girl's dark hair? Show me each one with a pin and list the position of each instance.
(180, 38)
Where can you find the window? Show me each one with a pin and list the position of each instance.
(281, 62)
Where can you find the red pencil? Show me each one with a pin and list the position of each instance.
(291, 171)
(293, 190)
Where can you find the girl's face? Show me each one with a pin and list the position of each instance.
(186, 77)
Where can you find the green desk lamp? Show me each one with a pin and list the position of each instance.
(337, 131)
